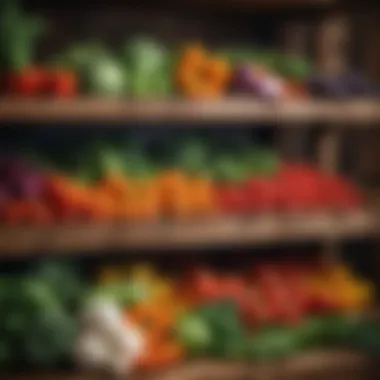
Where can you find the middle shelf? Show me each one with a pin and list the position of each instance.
(26, 240)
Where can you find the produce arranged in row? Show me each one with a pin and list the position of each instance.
(188, 179)
(135, 317)
(145, 68)
(264, 312)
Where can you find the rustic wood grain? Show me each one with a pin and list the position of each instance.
(25, 241)
(237, 110)
(317, 365)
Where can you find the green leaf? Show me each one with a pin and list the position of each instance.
(192, 157)
(229, 169)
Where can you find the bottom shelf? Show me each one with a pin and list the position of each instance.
(316, 365)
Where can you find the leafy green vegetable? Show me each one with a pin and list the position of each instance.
(192, 156)
(150, 67)
(18, 36)
(37, 314)
(194, 333)
(229, 169)
(228, 333)
(294, 67)
(105, 76)
(272, 343)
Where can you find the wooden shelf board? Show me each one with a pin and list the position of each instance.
(21, 241)
(318, 365)
(211, 5)
(256, 5)
(237, 110)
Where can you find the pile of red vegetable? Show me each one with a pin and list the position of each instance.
(296, 187)
(282, 292)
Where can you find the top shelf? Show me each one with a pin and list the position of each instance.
(220, 5)
(230, 110)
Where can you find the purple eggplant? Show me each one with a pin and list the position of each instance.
(29, 184)
(271, 88)
(244, 80)
(20, 178)
(257, 82)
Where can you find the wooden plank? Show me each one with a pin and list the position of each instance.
(237, 110)
(216, 5)
(23, 241)
(318, 365)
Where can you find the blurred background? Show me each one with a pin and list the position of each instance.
(189, 189)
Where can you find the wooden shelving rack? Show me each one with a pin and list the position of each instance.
(268, 228)
(291, 117)
(237, 110)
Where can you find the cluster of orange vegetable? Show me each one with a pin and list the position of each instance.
(115, 198)
(202, 75)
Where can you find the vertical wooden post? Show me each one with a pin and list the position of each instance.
(331, 45)
(371, 157)
(372, 66)
(329, 150)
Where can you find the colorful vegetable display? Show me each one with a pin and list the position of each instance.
(147, 69)
(135, 317)
(263, 312)
(193, 179)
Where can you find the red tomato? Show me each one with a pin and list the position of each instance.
(62, 83)
(203, 285)
(232, 287)
(299, 189)
(231, 199)
(27, 82)
(253, 308)
(342, 194)
(261, 194)
(298, 291)
(283, 303)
